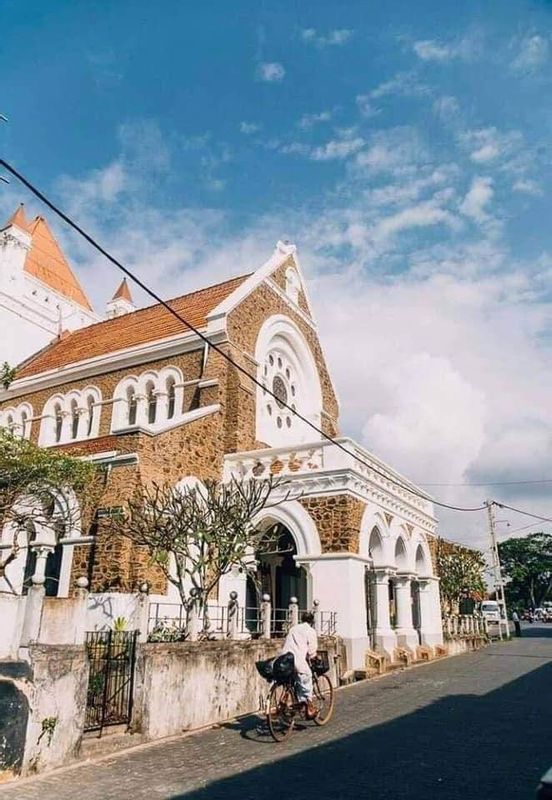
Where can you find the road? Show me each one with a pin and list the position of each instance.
(476, 726)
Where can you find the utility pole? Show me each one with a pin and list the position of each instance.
(496, 569)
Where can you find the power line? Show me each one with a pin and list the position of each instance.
(490, 483)
(214, 346)
(520, 511)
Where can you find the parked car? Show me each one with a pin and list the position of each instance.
(491, 611)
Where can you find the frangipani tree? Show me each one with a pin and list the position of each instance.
(198, 533)
(460, 570)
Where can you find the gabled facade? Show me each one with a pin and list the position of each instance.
(144, 394)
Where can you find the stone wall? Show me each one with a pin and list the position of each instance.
(184, 686)
(338, 521)
(42, 705)
(12, 609)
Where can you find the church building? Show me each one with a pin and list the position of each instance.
(143, 394)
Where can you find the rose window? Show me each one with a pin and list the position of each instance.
(280, 377)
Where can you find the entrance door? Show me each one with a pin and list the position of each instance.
(416, 616)
(370, 598)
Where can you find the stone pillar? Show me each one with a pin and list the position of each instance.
(143, 612)
(431, 629)
(81, 610)
(293, 611)
(337, 581)
(35, 600)
(317, 616)
(266, 613)
(233, 608)
(385, 637)
(407, 636)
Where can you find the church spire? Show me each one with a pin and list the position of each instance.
(18, 217)
(121, 302)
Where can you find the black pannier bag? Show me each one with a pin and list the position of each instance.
(264, 668)
(283, 667)
(320, 664)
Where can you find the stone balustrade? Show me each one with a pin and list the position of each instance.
(458, 626)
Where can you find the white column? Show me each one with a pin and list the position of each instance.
(338, 585)
(431, 628)
(406, 635)
(386, 639)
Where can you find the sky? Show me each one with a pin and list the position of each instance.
(405, 148)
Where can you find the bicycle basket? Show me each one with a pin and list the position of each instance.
(264, 668)
(320, 664)
(283, 667)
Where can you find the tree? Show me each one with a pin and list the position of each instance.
(460, 570)
(199, 533)
(30, 478)
(527, 567)
(7, 375)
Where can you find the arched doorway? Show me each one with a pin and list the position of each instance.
(277, 574)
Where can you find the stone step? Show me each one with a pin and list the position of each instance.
(111, 740)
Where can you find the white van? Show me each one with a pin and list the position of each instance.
(490, 610)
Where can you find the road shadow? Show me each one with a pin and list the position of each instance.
(462, 747)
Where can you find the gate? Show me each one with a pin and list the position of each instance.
(111, 681)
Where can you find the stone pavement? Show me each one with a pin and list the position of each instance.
(476, 727)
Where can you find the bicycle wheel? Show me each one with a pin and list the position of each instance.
(324, 699)
(280, 712)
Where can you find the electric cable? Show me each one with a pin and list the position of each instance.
(62, 215)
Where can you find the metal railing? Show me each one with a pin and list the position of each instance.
(175, 622)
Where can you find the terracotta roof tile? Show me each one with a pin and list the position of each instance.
(139, 327)
(46, 261)
(123, 292)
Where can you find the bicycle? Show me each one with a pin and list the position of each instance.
(283, 707)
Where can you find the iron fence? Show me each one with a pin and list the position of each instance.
(112, 656)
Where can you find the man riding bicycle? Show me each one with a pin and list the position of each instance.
(302, 642)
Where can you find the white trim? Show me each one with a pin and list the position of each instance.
(157, 428)
(109, 362)
(281, 253)
(337, 556)
(293, 306)
(299, 523)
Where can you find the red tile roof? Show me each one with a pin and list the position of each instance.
(139, 327)
(123, 292)
(45, 259)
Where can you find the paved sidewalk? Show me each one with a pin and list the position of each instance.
(474, 727)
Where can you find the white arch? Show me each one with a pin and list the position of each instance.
(18, 419)
(423, 566)
(373, 518)
(299, 523)
(279, 335)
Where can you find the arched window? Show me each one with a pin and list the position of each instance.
(10, 424)
(171, 398)
(91, 410)
(24, 419)
(132, 405)
(152, 402)
(58, 423)
(74, 419)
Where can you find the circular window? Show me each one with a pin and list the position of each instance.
(280, 391)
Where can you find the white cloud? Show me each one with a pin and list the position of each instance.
(429, 50)
(336, 37)
(366, 107)
(270, 72)
(527, 186)
(487, 144)
(419, 216)
(337, 149)
(466, 48)
(250, 127)
(310, 120)
(534, 53)
(479, 196)
(405, 84)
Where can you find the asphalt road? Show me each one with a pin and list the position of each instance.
(476, 726)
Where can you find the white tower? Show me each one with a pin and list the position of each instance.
(39, 293)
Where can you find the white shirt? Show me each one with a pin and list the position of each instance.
(301, 641)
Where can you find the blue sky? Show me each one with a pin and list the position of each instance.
(404, 147)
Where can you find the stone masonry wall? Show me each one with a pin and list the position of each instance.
(338, 521)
